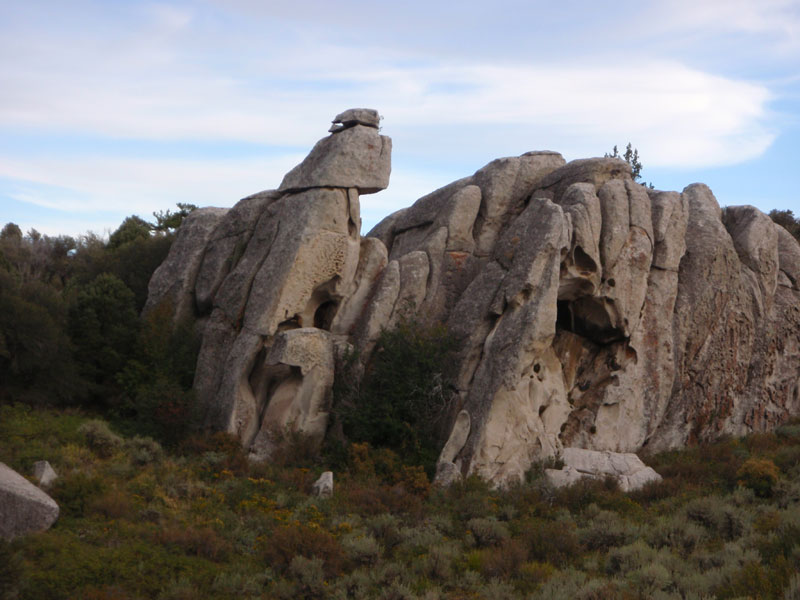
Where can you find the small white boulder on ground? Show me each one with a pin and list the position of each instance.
(627, 468)
(323, 487)
(24, 508)
(44, 474)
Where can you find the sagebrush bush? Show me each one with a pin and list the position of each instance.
(488, 532)
(143, 450)
(677, 533)
(100, 438)
(440, 559)
(77, 491)
(717, 516)
(607, 530)
(552, 541)
(629, 558)
(288, 541)
(361, 549)
(759, 475)
(505, 559)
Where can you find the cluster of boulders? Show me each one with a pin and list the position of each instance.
(590, 311)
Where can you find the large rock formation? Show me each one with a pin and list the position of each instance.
(590, 311)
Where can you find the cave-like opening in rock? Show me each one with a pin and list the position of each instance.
(588, 317)
(323, 316)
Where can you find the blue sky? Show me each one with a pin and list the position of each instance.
(110, 108)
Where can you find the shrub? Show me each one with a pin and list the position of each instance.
(100, 438)
(227, 446)
(310, 577)
(287, 541)
(752, 581)
(361, 549)
(496, 589)
(75, 493)
(759, 475)
(143, 450)
(555, 542)
(196, 541)
(607, 530)
(629, 558)
(532, 574)
(649, 579)
(488, 532)
(10, 570)
(403, 399)
(114, 504)
(505, 559)
(792, 591)
(385, 528)
(677, 533)
(375, 499)
(439, 562)
(717, 516)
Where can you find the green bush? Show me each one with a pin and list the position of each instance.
(488, 532)
(759, 475)
(100, 438)
(403, 400)
(286, 542)
(75, 493)
(143, 450)
(555, 542)
(607, 530)
(10, 570)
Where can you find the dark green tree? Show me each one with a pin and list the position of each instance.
(631, 156)
(132, 228)
(36, 364)
(157, 381)
(103, 325)
(787, 219)
(168, 221)
(404, 396)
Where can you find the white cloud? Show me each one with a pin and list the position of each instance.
(779, 18)
(140, 186)
(663, 105)
(164, 73)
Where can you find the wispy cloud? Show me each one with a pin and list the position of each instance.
(274, 75)
(89, 184)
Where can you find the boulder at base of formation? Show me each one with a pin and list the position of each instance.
(323, 487)
(627, 468)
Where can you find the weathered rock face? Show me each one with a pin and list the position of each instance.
(271, 279)
(24, 508)
(590, 311)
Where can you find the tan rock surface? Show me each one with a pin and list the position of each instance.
(588, 311)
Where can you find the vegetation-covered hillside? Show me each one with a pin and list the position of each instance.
(153, 507)
(202, 522)
(70, 326)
